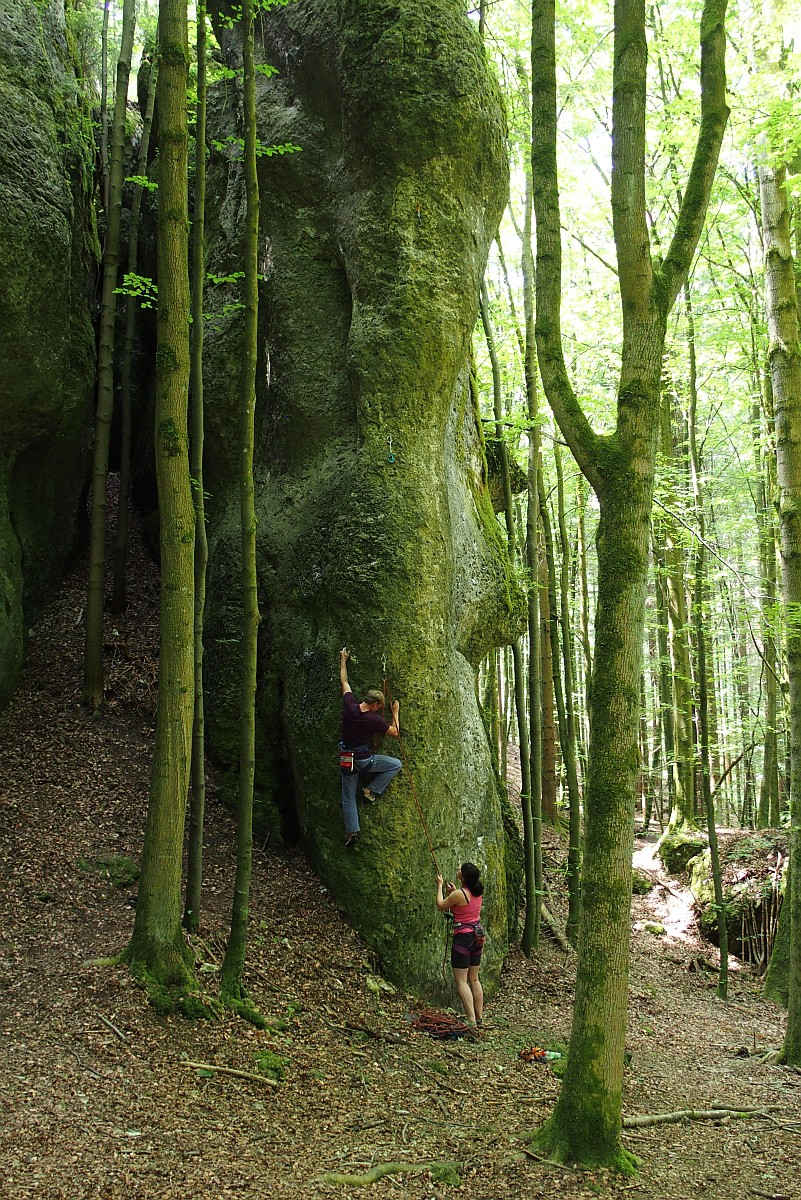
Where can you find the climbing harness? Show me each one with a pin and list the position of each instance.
(353, 759)
(474, 927)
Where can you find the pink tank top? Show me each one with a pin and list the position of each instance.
(466, 915)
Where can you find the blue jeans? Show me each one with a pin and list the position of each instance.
(376, 772)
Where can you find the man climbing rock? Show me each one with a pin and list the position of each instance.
(362, 721)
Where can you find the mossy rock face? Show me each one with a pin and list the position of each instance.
(777, 977)
(754, 867)
(677, 847)
(376, 527)
(48, 251)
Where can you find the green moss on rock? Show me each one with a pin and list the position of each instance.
(376, 528)
(48, 252)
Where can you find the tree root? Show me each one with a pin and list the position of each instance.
(444, 1172)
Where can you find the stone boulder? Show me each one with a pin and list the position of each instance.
(376, 525)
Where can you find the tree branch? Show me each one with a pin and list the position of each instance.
(714, 115)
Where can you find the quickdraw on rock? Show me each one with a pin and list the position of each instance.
(443, 1026)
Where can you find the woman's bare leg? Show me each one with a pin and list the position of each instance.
(476, 991)
(465, 993)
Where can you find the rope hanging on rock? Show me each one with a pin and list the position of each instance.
(388, 694)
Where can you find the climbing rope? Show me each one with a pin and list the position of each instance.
(388, 694)
(443, 1026)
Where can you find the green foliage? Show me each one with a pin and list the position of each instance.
(141, 287)
(263, 150)
(142, 181)
(233, 15)
(222, 72)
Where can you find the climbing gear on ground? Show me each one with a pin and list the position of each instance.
(537, 1054)
(443, 1026)
(390, 456)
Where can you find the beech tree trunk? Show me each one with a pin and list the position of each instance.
(586, 1123)
(197, 795)
(784, 357)
(157, 951)
(233, 964)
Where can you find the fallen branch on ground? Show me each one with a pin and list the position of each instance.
(376, 1173)
(691, 1114)
(196, 1066)
(111, 1026)
(550, 923)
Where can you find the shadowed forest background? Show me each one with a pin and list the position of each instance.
(468, 339)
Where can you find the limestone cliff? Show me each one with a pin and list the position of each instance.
(376, 528)
(47, 254)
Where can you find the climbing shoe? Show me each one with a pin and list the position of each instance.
(369, 795)
(351, 841)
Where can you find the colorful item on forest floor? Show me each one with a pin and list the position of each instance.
(537, 1054)
(443, 1026)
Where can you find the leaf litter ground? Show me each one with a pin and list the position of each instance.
(98, 1100)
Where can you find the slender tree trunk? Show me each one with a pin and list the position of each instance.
(531, 931)
(586, 1123)
(683, 753)
(665, 679)
(119, 598)
(197, 795)
(157, 951)
(700, 639)
(233, 965)
(95, 595)
(769, 789)
(530, 826)
(549, 662)
(569, 747)
(784, 357)
(104, 168)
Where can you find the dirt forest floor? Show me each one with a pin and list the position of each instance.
(99, 1097)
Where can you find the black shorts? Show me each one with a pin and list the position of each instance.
(464, 952)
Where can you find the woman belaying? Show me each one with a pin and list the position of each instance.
(464, 903)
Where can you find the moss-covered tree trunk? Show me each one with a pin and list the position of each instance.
(157, 951)
(197, 793)
(586, 1123)
(375, 526)
(784, 356)
(234, 962)
(569, 745)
